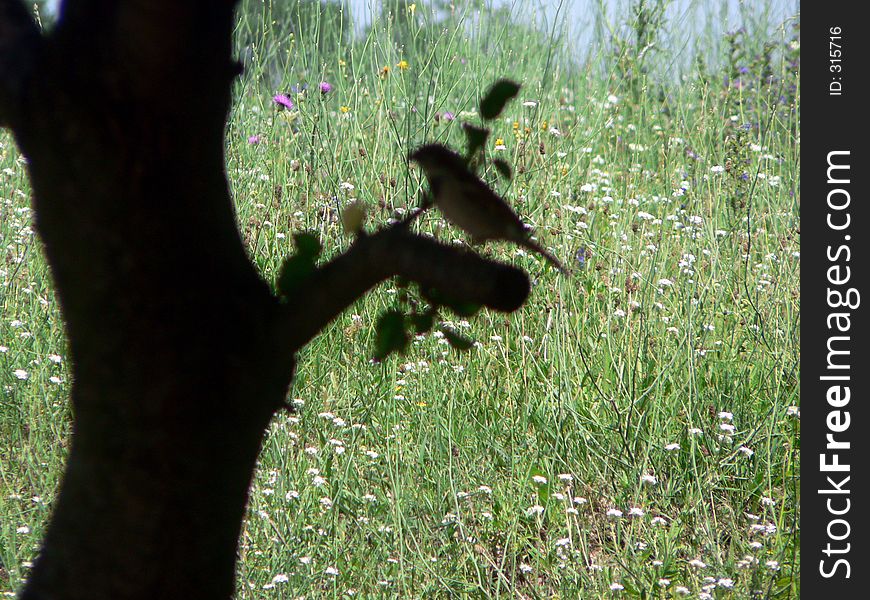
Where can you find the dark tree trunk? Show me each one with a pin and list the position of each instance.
(180, 355)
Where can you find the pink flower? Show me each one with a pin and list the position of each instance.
(325, 87)
(284, 101)
(254, 139)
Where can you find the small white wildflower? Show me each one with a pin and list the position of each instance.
(648, 479)
(726, 416)
(682, 590)
(616, 587)
(746, 451)
(659, 521)
(726, 583)
(535, 509)
(773, 565)
(21, 374)
(539, 479)
(614, 513)
(698, 564)
(331, 571)
(524, 568)
(664, 582)
(672, 447)
(634, 511)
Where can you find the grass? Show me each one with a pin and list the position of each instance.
(632, 426)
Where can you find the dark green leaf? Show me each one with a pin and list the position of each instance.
(391, 334)
(503, 168)
(460, 342)
(423, 322)
(294, 271)
(463, 308)
(307, 244)
(497, 97)
(475, 138)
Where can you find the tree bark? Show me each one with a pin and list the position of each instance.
(180, 354)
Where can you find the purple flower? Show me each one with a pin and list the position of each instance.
(254, 139)
(284, 101)
(325, 87)
(448, 116)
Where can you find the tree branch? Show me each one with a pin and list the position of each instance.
(20, 41)
(394, 251)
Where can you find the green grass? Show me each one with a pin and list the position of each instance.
(432, 463)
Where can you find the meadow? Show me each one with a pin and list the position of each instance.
(632, 431)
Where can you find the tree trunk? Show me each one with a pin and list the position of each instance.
(180, 354)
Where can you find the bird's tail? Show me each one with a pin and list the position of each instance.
(535, 247)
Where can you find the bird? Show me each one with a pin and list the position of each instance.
(468, 203)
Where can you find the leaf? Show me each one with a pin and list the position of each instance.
(390, 334)
(460, 342)
(504, 169)
(497, 97)
(462, 308)
(423, 322)
(475, 137)
(307, 244)
(295, 270)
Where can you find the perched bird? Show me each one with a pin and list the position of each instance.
(470, 204)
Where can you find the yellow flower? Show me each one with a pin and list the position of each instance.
(341, 62)
(344, 109)
(499, 142)
(402, 64)
(412, 8)
(385, 71)
(545, 125)
(516, 125)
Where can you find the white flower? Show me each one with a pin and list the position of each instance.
(773, 565)
(725, 583)
(664, 582)
(726, 416)
(332, 571)
(746, 451)
(616, 587)
(524, 568)
(672, 447)
(292, 495)
(614, 513)
(682, 590)
(634, 511)
(539, 479)
(665, 282)
(698, 564)
(659, 521)
(535, 509)
(21, 374)
(280, 578)
(648, 479)
(768, 501)
(23, 530)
